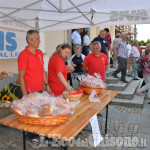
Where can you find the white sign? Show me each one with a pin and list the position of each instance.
(97, 137)
(91, 97)
(11, 43)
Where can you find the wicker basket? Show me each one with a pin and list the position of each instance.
(45, 121)
(5, 111)
(88, 90)
(71, 97)
(5, 107)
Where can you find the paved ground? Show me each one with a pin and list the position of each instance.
(123, 122)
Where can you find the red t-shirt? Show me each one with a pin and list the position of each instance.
(33, 66)
(56, 65)
(108, 38)
(96, 64)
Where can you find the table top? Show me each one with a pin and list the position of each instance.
(76, 122)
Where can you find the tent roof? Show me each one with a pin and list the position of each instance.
(69, 14)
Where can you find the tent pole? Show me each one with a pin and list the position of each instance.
(54, 6)
(135, 34)
(60, 5)
(37, 27)
(80, 11)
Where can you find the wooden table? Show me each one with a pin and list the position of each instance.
(76, 122)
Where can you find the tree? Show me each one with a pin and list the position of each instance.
(142, 43)
(148, 41)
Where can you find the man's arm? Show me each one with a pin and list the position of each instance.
(115, 50)
(107, 52)
(90, 46)
(46, 82)
(84, 69)
(106, 67)
(127, 52)
(73, 43)
(22, 82)
(116, 46)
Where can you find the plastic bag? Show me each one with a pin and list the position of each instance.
(42, 104)
(91, 81)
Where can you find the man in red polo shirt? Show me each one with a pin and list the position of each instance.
(96, 62)
(32, 75)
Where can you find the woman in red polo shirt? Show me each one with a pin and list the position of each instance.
(57, 71)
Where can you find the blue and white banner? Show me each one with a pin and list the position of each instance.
(11, 43)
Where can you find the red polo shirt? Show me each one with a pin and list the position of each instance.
(96, 64)
(56, 65)
(33, 66)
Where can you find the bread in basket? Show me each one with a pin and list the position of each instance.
(90, 83)
(75, 95)
(42, 109)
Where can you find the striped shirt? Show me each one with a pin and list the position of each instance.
(121, 45)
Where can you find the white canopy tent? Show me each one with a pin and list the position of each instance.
(48, 15)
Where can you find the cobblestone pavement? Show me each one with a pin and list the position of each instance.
(13, 139)
(125, 109)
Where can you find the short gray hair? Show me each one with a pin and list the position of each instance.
(96, 42)
(123, 33)
(117, 35)
(102, 31)
(29, 34)
(78, 47)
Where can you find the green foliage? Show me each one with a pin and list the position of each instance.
(6, 95)
(142, 43)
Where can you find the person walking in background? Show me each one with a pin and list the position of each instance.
(144, 63)
(108, 38)
(115, 41)
(76, 38)
(134, 56)
(86, 42)
(120, 53)
(102, 40)
(129, 64)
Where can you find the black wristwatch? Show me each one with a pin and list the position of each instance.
(46, 84)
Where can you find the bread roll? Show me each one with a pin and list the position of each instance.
(46, 110)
